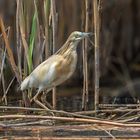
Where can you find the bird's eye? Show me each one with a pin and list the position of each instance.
(76, 36)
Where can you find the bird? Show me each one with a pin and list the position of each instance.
(56, 69)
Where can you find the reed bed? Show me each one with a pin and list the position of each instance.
(39, 29)
(36, 39)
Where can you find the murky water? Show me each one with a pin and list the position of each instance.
(70, 103)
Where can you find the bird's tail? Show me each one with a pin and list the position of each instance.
(25, 83)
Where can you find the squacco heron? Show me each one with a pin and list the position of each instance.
(56, 69)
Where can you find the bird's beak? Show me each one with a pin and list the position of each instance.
(84, 35)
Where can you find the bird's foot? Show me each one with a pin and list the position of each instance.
(43, 99)
(43, 106)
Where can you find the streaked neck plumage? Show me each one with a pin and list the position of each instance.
(68, 47)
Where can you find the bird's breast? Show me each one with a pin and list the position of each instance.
(65, 68)
(54, 71)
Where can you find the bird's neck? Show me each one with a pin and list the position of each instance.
(67, 48)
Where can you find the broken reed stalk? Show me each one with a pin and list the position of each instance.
(4, 97)
(2, 78)
(9, 51)
(85, 65)
(123, 110)
(54, 111)
(54, 30)
(86, 45)
(84, 88)
(18, 45)
(2, 75)
(23, 43)
(83, 57)
(97, 72)
(3, 87)
(18, 40)
(10, 54)
(51, 128)
(70, 119)
(46, 26)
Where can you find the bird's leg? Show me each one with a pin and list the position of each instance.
(38, 102)
(43, 99)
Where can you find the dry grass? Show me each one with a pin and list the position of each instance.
(38, 24)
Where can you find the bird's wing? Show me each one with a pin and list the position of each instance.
(45, 73)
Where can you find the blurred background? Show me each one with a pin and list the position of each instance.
(29, 28)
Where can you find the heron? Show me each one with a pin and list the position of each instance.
(56, 69)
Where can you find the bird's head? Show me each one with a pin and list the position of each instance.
(73, 41)
(76, 36)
